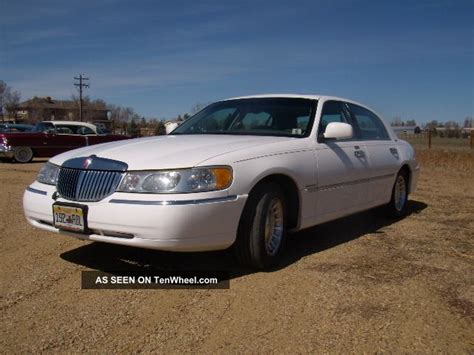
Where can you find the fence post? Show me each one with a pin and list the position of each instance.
(429, 139)
(472, 140)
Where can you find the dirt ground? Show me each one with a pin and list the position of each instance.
(361, 284)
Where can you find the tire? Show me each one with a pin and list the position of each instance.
(262, 229)
(23, 154)
(397, 207)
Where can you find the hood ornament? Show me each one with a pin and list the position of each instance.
(87, 162)
(93, 162)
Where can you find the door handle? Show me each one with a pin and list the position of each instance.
(359, 153)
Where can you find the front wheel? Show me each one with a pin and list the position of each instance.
(397, 206)
(262, 229)
(23, 154)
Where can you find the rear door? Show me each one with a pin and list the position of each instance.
(342, 167)
(382, 154)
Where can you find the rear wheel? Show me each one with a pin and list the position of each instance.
(397, 206)
(262, 230)
(23, 154)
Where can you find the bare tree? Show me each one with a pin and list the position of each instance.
(9, 100)
(122, 116)
(3, 92)
(198, 107)
(13, 103)
(397, 121)
(451, 124)
(432, 125)
(468, 121)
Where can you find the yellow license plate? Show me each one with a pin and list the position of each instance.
(71, 218)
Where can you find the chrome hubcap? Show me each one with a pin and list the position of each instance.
(22, 155)
(274, 226)
(400, 193)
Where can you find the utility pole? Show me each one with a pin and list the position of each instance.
(81, 85)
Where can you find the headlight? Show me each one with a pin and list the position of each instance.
(48, 174)
(177, 181)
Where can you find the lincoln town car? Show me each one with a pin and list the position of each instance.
(241, 173)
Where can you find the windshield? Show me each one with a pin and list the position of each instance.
(292, 117)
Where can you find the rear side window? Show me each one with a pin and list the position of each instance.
(65, 129)
(85, 130)
(369, 125)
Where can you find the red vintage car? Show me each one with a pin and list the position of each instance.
(50, 138)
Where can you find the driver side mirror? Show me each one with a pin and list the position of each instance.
(338, 130)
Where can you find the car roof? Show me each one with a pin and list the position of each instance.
(304, 96)
(73, 123)
(298, 96)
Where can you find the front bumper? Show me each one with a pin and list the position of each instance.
(164, 222)
(6, 151)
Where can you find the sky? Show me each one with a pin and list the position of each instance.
(408, 59)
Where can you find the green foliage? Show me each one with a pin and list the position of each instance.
(160, 128)
(133, 128)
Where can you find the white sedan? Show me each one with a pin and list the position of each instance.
(242, 172)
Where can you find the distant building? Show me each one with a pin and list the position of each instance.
(404, 130)
(147, 132)
(171, 125)
(40, 109)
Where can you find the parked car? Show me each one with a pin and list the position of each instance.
(50, 138)
(242, 172)
(15, 127)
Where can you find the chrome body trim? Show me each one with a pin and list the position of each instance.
(6, 151)
(89, 179)
(87, 185)
(93, 162)
(314, 188)
(175, 202)
(36, 191)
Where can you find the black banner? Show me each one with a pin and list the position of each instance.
(155, 280)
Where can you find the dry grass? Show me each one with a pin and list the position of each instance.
(446, 154)
(445, 144)
(456, 161)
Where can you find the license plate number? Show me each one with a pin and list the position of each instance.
(71, 218)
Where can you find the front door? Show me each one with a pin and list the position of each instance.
(342, 168)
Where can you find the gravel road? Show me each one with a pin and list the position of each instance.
(361, 284)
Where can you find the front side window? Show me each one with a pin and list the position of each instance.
(254, 116)
(333, 111)
(370, 127)
(44, 127)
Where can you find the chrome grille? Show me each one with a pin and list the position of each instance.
(87, 185)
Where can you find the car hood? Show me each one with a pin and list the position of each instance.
(168, 152)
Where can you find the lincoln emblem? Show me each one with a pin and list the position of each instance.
(86, 163)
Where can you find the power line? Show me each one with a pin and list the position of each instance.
(81, 85)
